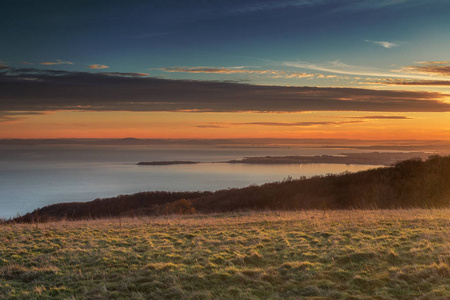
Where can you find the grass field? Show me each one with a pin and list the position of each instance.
(390, 254)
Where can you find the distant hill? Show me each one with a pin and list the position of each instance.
(408, 184)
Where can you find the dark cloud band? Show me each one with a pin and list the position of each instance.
(30, 89)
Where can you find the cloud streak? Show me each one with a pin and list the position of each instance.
(384, 44)
(359, 119)
(277, 124)
(381, 118)
(329, 6)
(97, 66)
(237, 70)
(436, 68)
(57, 62)
(126, 74)
(337, 67)
(411, 82)
(57, 90)
(12, 117)
(439, 72)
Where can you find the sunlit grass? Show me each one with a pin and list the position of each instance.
(270, 255)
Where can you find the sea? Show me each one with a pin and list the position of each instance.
(34, 176)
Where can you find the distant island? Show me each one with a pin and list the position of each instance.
(166, 163)
(370, 158)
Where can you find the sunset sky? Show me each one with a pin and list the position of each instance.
(356, 69)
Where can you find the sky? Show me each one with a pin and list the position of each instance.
(353, 69)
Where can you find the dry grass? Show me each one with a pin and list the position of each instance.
(382, 254)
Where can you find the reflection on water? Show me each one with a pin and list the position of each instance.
(38, 176)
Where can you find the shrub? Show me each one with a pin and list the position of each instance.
(180, 207)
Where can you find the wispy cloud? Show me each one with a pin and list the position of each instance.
(126, 74)
(26, 63)
(359, 6)
(276, 124)
(435, 62)
(439, 68)
(336, 66)
(358, 119)
(57, 62)
(215, 125)
(229, 70)
(56, 90)
(12, 117)
(412, 72)
(237, 70)
(329, 6)
(254, 6)
(380, 117)
(384, 44)
(390, 81)
(188, 11)
(97, 66)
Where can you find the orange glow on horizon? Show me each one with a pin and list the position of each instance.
(208, 125)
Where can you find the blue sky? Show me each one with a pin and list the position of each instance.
(143, 36)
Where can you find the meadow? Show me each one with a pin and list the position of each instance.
(340, 254)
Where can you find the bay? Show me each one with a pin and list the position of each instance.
(36, 176)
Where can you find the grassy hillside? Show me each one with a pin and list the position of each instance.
(380, 254)
(408, 184)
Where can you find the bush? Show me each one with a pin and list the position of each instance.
(180, 207)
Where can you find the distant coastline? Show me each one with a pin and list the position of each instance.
(370, 158)
(166, 163)
(366, 158)
(373, 145)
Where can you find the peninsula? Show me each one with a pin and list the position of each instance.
(369, 158)
(165, 163)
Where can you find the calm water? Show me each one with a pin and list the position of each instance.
(35, 176)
